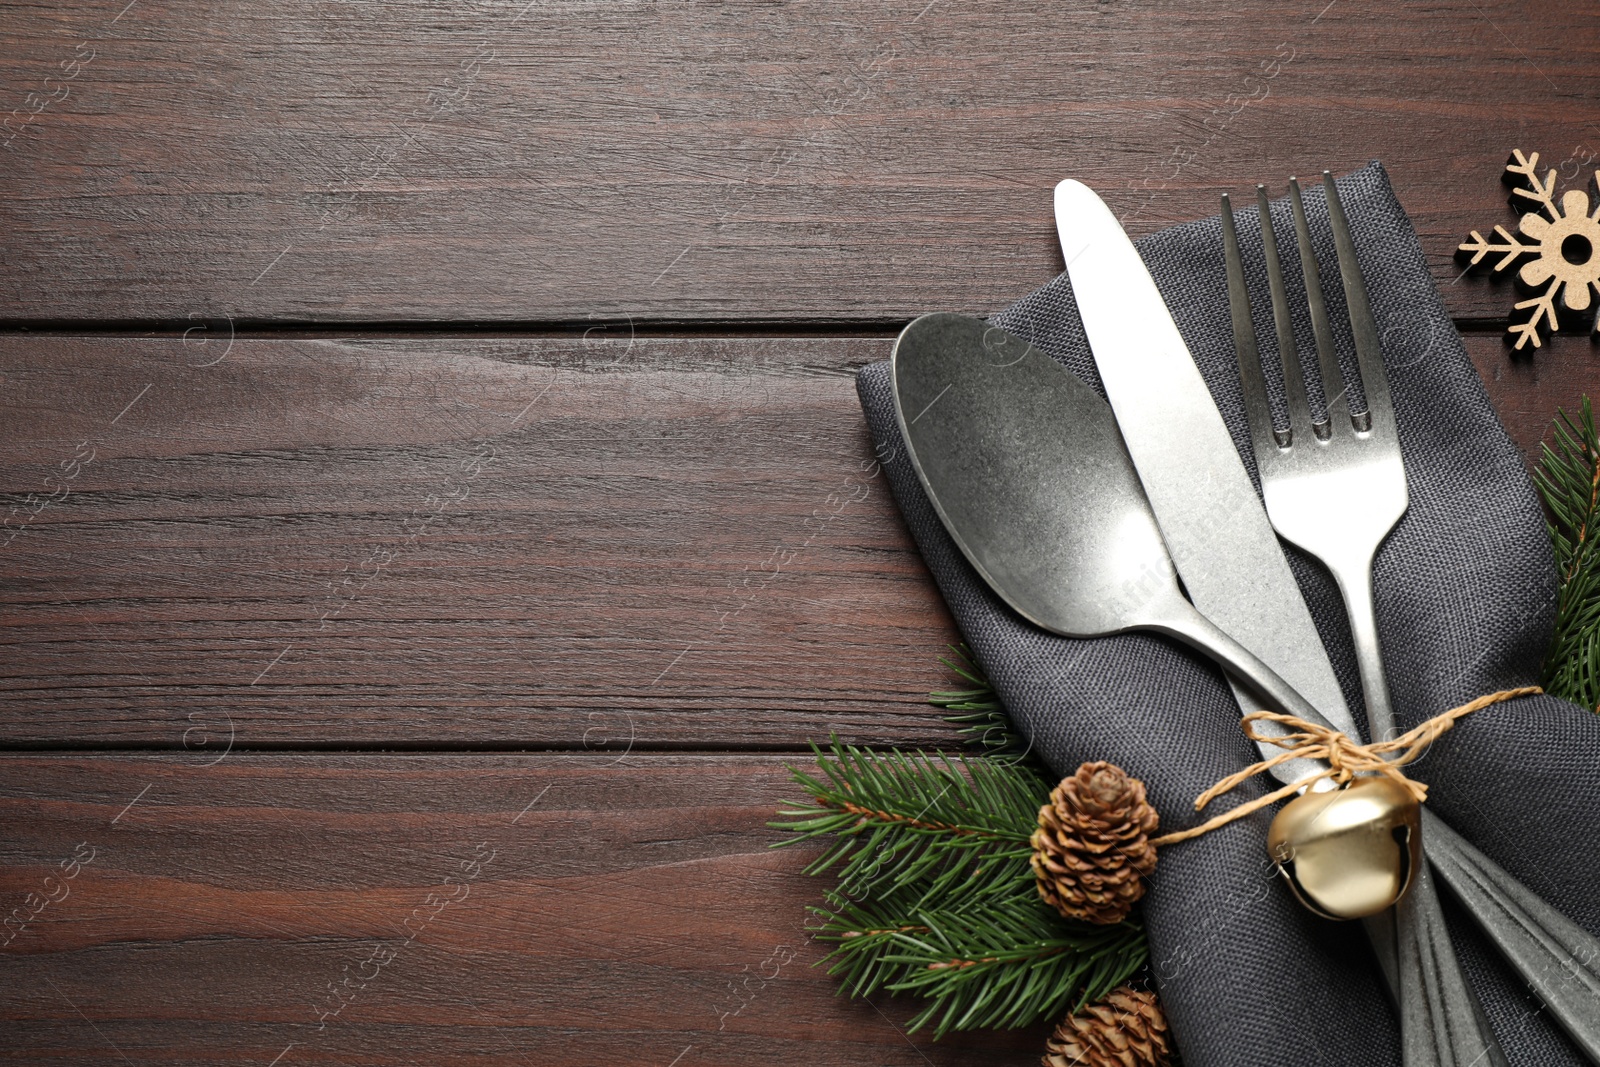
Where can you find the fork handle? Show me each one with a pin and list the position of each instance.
(1441, 1021)
(1355, 585)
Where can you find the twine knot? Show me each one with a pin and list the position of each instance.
(1345, 758)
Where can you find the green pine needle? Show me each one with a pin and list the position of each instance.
(982, 719)
(1009, 963)
(1568, 480)
(898, 818)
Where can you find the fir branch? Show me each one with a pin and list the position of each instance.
(866, 935)
(1568, 480)
(982, 719)
(900, 819)
(935, 894)
(1004, 965)
(866, 930)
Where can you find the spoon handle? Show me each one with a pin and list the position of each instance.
(1181, 620)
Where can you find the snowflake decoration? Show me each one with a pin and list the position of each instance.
(1564, 245)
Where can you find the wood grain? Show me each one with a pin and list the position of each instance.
(583, 911)
(680, 544)
(505, 161)
(482, 543)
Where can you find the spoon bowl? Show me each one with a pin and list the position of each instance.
(1027, 470)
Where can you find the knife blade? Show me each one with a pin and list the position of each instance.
(1215, 526)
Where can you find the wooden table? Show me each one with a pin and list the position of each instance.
(439, 504)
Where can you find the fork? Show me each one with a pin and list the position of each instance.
(1323, 476)
(1336, 486)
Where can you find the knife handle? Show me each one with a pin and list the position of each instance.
(1554, 955)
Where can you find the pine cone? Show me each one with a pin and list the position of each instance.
(1092, 848)
(1123, 1029)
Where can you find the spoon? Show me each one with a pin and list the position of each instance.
(1026, 467)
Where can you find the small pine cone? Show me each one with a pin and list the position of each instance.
(1123, 1029)
(1092, 848)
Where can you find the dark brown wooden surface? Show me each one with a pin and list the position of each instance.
(463, 543)
(327, 909)
(555, 161)
(460, 397)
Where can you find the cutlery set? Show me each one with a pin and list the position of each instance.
(1084, 515)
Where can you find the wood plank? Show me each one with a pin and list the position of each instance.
(456, 542)
(493, 161)
(679, 544)
(557, 909)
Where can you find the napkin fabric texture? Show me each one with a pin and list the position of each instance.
(1465, 589)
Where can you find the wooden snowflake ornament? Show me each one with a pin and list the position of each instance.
(1562, 252)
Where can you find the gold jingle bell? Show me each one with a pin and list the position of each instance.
(1349, 853)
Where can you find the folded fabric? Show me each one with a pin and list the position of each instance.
(1465, 591)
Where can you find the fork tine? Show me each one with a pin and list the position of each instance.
(1251, 381)
(1369, 353)
(1294, 380)
(1334, 393)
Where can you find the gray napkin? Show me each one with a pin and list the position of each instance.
(1465, 592)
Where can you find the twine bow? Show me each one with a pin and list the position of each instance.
(1345, 758)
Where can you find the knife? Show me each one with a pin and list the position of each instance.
(1221, 540)
(1228, 556)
